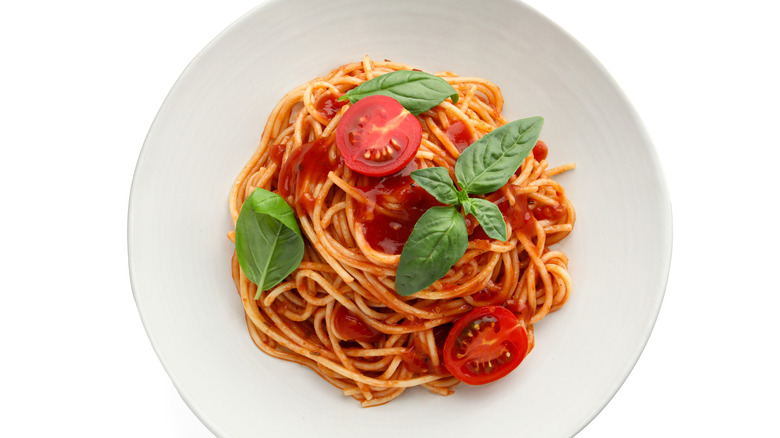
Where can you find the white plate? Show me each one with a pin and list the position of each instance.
(210, 124)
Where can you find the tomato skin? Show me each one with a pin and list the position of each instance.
(377, 136)
(485, 345)
(350, 327)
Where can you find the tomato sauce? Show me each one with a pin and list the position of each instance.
(540, 150)
(350, 327)
(519, 308)
(306, 166)
(519, 215)
(277, 153)
(553, 213)
(488, 294)
(417, 361)
(390, 233)
(328, 105)
(460, 135)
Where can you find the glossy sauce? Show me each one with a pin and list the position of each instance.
(351, 328)
(328, 105)
(306, 166)
(385, 233)
(553, 213)
(519, 215)
(540, 150)
(460, 135)
(276, 154)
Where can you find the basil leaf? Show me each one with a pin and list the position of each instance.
(489, 217)
(269, 244)
(437, 182)
(417, 91)
(438, 240)
(487, 164)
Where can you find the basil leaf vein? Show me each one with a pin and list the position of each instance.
(438, 240)
(437, 182)
(417, 91)
(489, 217)
(269, 244)
(489, 162)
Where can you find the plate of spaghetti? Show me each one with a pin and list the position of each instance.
(386, 236)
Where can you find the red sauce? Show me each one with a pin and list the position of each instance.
(487, 295)
(475, 230)
(519, 215)
(277, 153)
(328, 105)
(389, 233)
(540, 150)
(471, 223)
(350, 327)
(553, 213)
(418, 362)
(519, 308)
(460, 135)
(304, 168)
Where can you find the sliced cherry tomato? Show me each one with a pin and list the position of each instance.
(350, 327)
(377, 136)
(485, 345)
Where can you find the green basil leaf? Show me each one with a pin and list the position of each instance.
(489, 217)
(269, 244)
(489, 162)
(438, 240)
(437, 182)
(417, 91)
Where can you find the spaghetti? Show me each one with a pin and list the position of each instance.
(337, 313)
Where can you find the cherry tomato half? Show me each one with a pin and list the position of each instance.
(377, 136)
(350, 327)
(485, 345)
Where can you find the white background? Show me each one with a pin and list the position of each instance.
(81, 81)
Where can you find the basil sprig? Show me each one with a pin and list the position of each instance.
(417, 91)
(440, 239)
(269, 244)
